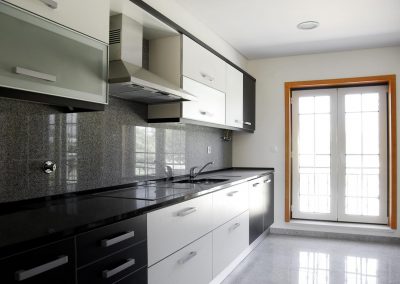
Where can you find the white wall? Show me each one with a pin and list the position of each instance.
(271, 74)
(183, 18)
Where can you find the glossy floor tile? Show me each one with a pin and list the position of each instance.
(306, 260)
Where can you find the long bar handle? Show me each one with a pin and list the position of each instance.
(255, 184)
(187, 257)
(109, 273)
(21, 275)
(232, 193)
(109, 242)
(267, 181)
(234, 226)
(206, 76)
(187, 211)
(50, 3)
(247, 123)
(35, 74)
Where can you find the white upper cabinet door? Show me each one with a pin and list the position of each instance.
(210, 106)
(234, 97)
(202, 66)
(90, 17)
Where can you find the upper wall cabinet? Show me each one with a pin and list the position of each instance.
(234, 97)
(90, 17)
(249, 103)
(42, 57)
(202, 66)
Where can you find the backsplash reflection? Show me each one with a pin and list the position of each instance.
(95, 149)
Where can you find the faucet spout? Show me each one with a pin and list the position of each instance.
(193, 173)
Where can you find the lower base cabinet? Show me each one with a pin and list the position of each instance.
(229, 240)
(191, 264)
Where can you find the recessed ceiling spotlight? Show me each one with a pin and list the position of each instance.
(308, 25)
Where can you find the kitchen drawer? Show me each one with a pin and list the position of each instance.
(229, 203)
(210, 104)
(41, 57)
(138, 277)
(192, 264)
(103, 241)
(115, 267)
(171, 228)
(202, 66)
(73, 14)
(53, 263)
(229, 241)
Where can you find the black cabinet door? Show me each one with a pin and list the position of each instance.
(257, 209)
(269, 201)
(53, 263)
(249, 103)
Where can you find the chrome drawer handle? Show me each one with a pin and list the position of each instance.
(247, 123)
(26, 274)
(109, 242)
(232, 193)
(206, 76)
(267, 181)
(234, 226)
(187, 257)
(255, 184)
(109, 273)
(50, 3)
(35, 74)
(187, 211)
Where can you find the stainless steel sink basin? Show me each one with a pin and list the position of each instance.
(202, 181)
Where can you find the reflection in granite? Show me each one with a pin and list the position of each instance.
(95, 149)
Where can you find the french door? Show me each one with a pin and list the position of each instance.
(339, 154)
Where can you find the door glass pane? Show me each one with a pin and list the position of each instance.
(362, 154)
(314, 149)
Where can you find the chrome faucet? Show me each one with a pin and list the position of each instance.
(193, 173)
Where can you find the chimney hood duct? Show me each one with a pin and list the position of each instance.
(127, 78)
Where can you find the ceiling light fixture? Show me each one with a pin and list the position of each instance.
(308, 25)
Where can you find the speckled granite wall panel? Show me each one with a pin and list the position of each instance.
(95, 149)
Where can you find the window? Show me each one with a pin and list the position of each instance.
(339, 154)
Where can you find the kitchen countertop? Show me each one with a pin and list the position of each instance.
(46, 221)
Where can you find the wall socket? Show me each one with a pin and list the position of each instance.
(208, 149)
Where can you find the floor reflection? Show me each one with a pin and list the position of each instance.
(313, 268)
(361, 270)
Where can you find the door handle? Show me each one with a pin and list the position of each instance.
(187, 257)
(267, 181)
(35, 74)
(247, 123)
(109, 273)
(234, 226)
(50, 3)
(256, 184)
(187, 211)
(21, 275)
(206, 76)
(232, 193)
(109, 242)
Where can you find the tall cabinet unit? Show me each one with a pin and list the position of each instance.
(249, 103)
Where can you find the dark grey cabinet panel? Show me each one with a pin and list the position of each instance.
(106, 240)
(261, 206)
(256, 209)
(249, 103)
(116, 266)
(54, 263)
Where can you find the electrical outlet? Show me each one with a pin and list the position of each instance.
(208, 149)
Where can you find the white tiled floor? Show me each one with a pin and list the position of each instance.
(305, 260)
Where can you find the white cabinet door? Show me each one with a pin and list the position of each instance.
(192, 264)
(234, 97)
(229, 241)
(202, 66)
(210, 106)
(230, 202)
(171, 228)
(90, 17)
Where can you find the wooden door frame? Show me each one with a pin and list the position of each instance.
(390, 80)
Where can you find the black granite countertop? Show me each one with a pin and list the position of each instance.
(45, 221)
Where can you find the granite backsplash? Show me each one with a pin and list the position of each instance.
(95, 149)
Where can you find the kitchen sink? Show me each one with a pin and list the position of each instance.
(202, 181)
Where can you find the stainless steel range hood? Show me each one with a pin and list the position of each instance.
(127, 78)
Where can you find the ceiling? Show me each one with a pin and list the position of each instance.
(267, 28)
